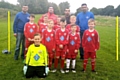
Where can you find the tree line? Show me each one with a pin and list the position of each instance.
(107, 11)
(36, 6)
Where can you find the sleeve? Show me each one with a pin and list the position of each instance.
(97, 41)
(78, 28)
(55, 20)
(92, 15)
(83, 39)
(45, 56)
(57, 38)
(25, 31)
(54, 44)
(43, 38)
(15, 24)
(78, 43)
(28, 56)
(77, 20)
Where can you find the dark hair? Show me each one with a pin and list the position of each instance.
(32, 15)
(37, 34)
(62, 19)
(84, 4)
(73, 25)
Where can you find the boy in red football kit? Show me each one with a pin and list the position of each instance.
(49, 41)
(29, 30)
(61, 39)
(43, 26)
(90, 43)
(58, 23)
(73, 46)
(72, 22)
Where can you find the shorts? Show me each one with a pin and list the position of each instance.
(38, 71)
(71, 56)
(51, 55)
(91, 55)
(61, 54)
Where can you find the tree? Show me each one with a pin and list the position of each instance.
(117, 10)
(63, 6)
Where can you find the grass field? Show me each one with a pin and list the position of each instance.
(107, 66)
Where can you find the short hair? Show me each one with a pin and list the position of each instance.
(67, 9)
(62, 19)
(73, 25)
(91, 20)
(32, 15)
(50, 20)
(84, 4)
(37, 34)
(72, 16)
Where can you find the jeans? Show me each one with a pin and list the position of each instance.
(19, 39)
(81, 48)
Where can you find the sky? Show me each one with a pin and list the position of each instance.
(74, 4)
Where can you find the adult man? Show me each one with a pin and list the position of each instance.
(67, 15)
(82, 21)
(50, 15)
(18, 28)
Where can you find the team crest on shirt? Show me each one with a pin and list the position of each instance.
(28, 17)
(62, 38)
(40, 51)
(33, 26)
(72, 42)
(36, 57)
(48, 39)
(75, 38)
(87, 17)
(93, 34)
(89, 39)
(31, 30)
(51, 34)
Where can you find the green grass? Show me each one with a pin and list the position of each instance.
(106, 65)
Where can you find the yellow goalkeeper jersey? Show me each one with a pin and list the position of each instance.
(36, 56)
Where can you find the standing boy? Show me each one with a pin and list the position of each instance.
(49, 41)
(73, 46)
(29, 30)
(61, 39)
(90, 43)
(72, 22)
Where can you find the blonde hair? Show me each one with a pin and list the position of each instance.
(50, 20)
(91, 20)
(72, 16)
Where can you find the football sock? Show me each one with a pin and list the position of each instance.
(62, 63)
(67, 63)
(85, 64)
(50, 62)
(56, 63)
(93, 64)
(73, 63)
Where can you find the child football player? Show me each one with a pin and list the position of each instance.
(36, 58)
(90, 43)
(73, 46)
(72, 22)
(43, 25)
(49, 41)
(61, 38)
(29, 30)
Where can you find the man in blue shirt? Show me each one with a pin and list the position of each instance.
(82, 21)
(18, 28)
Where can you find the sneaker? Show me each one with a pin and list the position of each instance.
(94, 71)
(62, 71)
(73, 70)
(67, 70)
(54, 70)
(83, 70)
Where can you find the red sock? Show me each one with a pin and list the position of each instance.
(56, 63)
(93, 64)
(62, 63)
(85, 64)
(50, 63)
